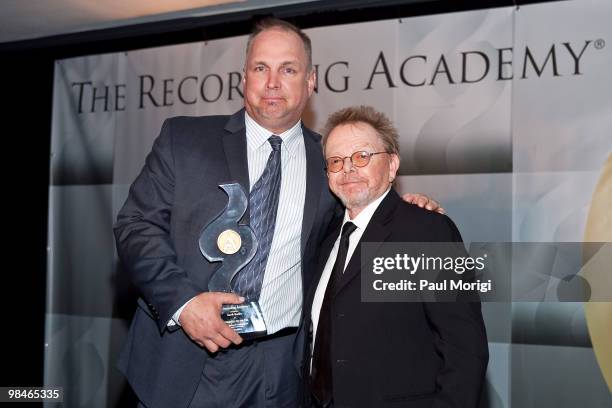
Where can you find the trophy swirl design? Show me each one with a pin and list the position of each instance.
(225, 240)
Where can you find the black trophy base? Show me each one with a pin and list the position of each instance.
(245, 319)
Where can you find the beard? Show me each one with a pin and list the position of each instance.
(354, 199)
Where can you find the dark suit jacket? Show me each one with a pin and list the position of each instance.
(157, 233)
(402, 354)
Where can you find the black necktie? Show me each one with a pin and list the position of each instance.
(321, 362)
(263, 205)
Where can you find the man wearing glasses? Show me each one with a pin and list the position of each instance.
(179, 352)
(383, 354)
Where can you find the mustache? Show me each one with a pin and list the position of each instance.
(351, 179)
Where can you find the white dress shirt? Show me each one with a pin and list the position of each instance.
(361, 221)
(281, 292)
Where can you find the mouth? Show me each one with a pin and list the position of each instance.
(351, 182)
(272, 99)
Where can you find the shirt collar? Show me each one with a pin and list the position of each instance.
(362, 219)
(258, 135)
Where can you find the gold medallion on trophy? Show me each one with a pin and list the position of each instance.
(229, 242)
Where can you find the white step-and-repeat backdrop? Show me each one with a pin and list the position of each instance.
(505, 117)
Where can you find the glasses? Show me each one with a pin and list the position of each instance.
(358, 159)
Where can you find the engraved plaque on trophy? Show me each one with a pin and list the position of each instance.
(225, 240)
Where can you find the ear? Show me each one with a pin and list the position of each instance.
(394, 163)
(311, 79)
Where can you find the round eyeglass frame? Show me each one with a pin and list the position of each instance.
(359, 158)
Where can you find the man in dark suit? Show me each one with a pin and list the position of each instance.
(383, 354)
(179, 352)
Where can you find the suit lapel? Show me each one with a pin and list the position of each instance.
(315, 182)
(377, 232)
(235, 146)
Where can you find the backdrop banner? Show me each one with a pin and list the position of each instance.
(504, 115)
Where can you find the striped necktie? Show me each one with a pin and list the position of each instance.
(263, 206)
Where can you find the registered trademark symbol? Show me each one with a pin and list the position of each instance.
(599, 44)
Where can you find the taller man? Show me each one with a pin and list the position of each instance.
(179, 352)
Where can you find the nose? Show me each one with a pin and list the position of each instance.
(347, 165)
(273, 80)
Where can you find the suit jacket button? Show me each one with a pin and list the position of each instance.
(340, 315)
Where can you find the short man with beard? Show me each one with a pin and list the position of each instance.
(383, 354)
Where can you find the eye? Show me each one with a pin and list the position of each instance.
(360, 159)
(333, 161)
(289, 70)
(259, 68)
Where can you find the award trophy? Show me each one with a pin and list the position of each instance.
(233, 244)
